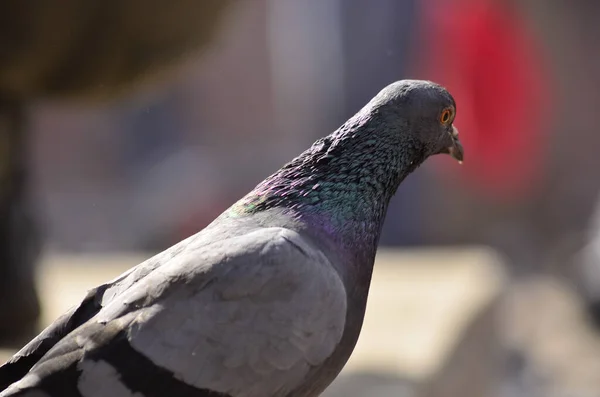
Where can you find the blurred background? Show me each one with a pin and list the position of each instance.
(126, 126)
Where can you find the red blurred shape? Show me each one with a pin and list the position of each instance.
(484, 54)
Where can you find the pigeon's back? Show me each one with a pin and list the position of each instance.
(246, 316)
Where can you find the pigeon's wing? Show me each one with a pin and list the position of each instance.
(244, 317)
(19, 364)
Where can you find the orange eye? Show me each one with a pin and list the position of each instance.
(446, 116)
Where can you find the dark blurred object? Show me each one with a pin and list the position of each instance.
(587, 270)
(19, 237)
(96, 48)
(78, 50)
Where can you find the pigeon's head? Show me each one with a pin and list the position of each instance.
(426, 110)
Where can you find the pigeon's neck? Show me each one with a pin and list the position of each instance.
(344, 182)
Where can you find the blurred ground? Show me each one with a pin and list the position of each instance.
(556, 352)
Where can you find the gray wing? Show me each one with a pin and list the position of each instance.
(26, 358)
(15, 368)
(243, 317)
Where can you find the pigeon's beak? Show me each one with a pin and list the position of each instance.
(456, 150)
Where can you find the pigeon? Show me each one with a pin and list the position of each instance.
(266, 301)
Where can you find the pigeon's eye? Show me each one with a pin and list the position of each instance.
(446, 115)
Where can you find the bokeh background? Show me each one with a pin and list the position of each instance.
(126, 126)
